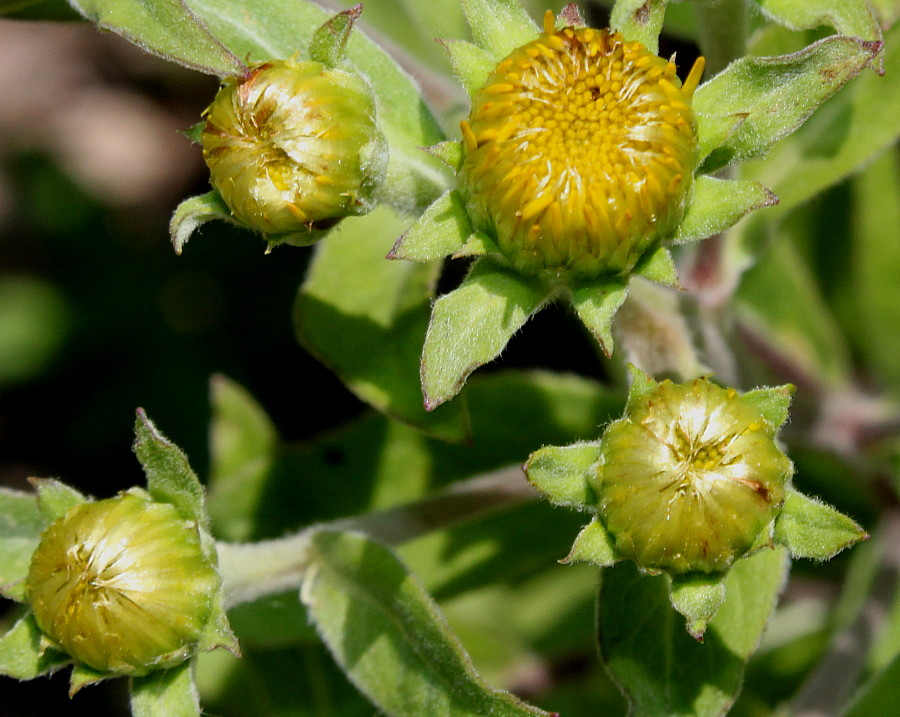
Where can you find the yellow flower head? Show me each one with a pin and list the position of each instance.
(579, 152)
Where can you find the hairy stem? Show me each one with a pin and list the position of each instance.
(723, 32)
(252, 570)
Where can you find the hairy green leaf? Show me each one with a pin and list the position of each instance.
(55, 498)
(168, 28)
(472, 324)
(169, 476)
(773, 403)
(329, 42)
(386, 632)
(596, 305)
(165, 693)
(775, 94)
(439, 232)
(662, 669)
(365, 319)
(193, 213)
(698, 598)
(472, 65)
(593, 545)
(811, 529)
(639, 20)
(718, 204)
(22, 655)
(561, 473)
(499, 26)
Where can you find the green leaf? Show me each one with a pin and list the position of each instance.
(471, 64)
(698, 598)
(718, 204)
(779, 302)
(165, 693)
(811, 529)
(879, 696)
(330, 41)
(848, 17)
(662, 669)
(276, 29)
(37, 10)
(773, 403)
(371, 336)
(875, 265)
(449, 152)
(194, 212)
(55, 498)
(596, 306)
(21, 526)
(389, 637)
(658, 266)
(639, 20)
(845, 135)
(561, 473)
(641, 384)
(499, 26)
(168, 28)
(478, 244)
(22, 654)
(243, 445)
(169, 476)
(472, 324)
(440, 231)
(593, 545)
(777, 94)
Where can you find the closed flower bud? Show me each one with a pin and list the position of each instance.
(579, 152)
(689, 478)
(294, 146)
(123, 585)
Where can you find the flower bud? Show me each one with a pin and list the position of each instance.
(294, 146)
(123, 585)
(689, 478)
(579, 152)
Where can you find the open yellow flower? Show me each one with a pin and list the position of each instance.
(579, 152)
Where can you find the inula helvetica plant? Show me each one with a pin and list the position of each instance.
(667, 176)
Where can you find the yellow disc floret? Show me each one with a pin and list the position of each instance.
(579, 152)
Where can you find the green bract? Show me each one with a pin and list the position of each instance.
(688, 481)
(571, 202)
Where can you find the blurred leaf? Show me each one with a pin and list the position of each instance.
(779, 302)
(560, 473)
(22, 655)
(879, 696)
(277, 29)
(874, 320)
(165, 693)
(718, 204)
(499, 26)
(21, 525)
(168, 28)
(388, 635)
(661, 668)
(37, 10)
(473, 323)
(639, 20)
(169, 476)
(811, 529)
(777, 94)
(370, 332)
(34, 320)
(243, 444)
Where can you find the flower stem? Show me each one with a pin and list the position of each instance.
(723, 32)
(252, 570)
